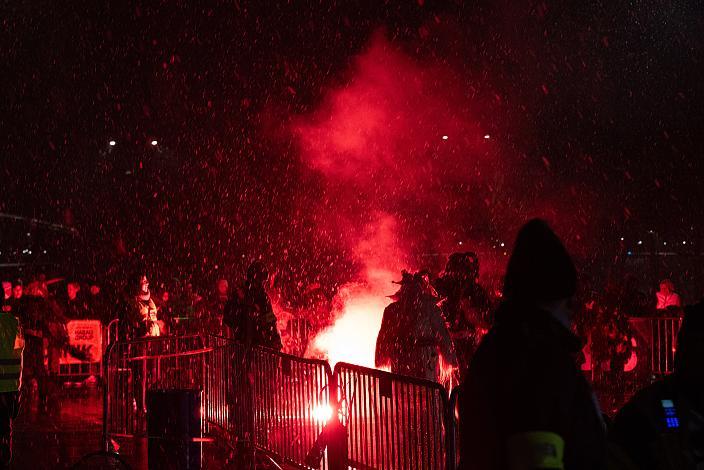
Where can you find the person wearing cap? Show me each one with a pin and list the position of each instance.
(525, 404)
(249, 313)
(662, 426)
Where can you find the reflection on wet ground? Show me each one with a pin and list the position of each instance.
(59, 437)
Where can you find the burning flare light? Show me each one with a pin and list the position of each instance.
(352, 338)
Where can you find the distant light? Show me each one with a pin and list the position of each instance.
(651, 231)
(29, 234)
(444, 137)
(684, 242)
(112, 143)
(460, 243)
(640, 242)
(621, 238)
(664, 243)
(501, 244)
(629, 253)
(154, 142)
(487, 136)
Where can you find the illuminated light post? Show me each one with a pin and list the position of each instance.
(154, 143)
(487, 136)
(444, 137)
(112, 143)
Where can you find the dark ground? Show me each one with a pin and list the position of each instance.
(72, 429)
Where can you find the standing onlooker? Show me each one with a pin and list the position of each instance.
(140, 315)
(413, 334)
(465, 304)
(525, 404)
(97, 306)
(249, 313)
(667, 297)
(215, 308)
(11, 348)
(7, 289)
(74, 308)
(7, 297)
(18, 301)
(167, 313)
(18, 292)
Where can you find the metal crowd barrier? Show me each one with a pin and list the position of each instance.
(111, 332)
(225, 375)
(657, 341)
(277, 403)
(454, 421)
(393, 421)
(296, 336)
(291, 409)
(132, 368)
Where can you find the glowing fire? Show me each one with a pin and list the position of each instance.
(352, 338)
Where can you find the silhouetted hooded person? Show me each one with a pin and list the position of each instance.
(662, 426)
(413, 333)
(525, 404)
(249, 313)
(465, 304)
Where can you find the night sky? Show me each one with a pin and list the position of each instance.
(311, 133)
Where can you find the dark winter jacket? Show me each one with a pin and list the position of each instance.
(412, 336)
(524, 379)
(251, 318)
(662, 427)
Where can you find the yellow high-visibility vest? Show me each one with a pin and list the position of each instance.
(11, 348)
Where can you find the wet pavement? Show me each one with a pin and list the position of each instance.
(59, 437)
(72, 429)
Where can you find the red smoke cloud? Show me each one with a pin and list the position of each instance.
(401, 155)
(410, 174)
(378, 142)
(385, 127)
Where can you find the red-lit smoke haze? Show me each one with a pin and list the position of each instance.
(393, 183)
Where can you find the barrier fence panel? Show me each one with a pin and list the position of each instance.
(284, 405)
(657, 340)
(134, 367)
(392, 421)
(291, 406)
(226, 404)
(454, 423)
